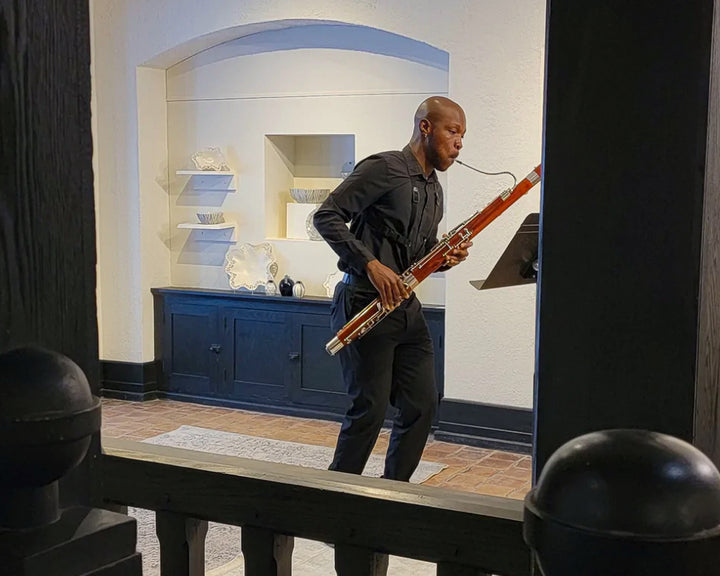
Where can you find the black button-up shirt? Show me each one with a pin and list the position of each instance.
(394, 211)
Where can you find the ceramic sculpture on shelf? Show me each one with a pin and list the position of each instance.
(298, 289)
(271, 288)
(210, 159)
(286, 286)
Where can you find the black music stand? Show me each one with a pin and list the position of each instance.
(518, 264)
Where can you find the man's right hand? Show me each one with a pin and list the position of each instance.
(388, 284)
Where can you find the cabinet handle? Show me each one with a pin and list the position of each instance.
(215, 348)
(294, 355)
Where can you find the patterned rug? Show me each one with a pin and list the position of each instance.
(222, 546)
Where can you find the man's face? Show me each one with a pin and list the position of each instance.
(444, 139)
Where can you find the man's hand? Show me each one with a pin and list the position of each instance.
(388, 284)
(457, 255)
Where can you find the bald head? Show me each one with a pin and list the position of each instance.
(438, 131)
(434, 109)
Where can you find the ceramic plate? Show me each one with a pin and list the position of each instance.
(331, 281)
(312, 232)
(250, 265)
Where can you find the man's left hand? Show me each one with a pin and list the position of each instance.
(457, 255)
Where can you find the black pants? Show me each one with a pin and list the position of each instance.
(391, 364)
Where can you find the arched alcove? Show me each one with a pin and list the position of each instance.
(288, 103)
(291, 34)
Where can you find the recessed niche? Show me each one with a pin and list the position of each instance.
(301, 161)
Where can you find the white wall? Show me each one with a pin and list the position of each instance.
(232, 98)
(152, 154)
(495, 52)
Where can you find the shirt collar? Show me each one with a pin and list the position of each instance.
(413, 165)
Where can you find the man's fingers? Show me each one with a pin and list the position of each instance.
(387, 298)
(455, 256)
(391, 289)
(401, 289)
(393, 293)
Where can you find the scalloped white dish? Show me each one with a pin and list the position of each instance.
(210, 159)
(250, 265)
(312, 232)
(331, 281)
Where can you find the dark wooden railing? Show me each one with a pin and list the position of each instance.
(365, 518)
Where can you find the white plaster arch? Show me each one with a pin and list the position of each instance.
(296, 33)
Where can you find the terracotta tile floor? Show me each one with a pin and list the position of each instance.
(469, 469)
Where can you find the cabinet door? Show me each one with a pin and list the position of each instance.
(316, 376)
(258, 355)
(192, 351)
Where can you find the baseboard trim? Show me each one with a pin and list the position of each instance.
(485, 425)
(129, 380)
(279, 409)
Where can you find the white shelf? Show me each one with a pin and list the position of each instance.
(198, 226)
(204, 173)
(200, 181)
(223, 233)
(296, 240)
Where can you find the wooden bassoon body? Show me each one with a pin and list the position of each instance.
(374, 312)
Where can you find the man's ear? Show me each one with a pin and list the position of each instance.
(425, 127)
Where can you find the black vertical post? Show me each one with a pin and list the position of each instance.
(47, 217)
(628, 502)
(182, 544)
(266, 552)
(628, 336)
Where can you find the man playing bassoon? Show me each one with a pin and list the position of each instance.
(394, 203)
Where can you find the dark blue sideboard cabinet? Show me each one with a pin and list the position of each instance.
(255, 351)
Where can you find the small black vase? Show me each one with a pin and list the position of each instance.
(286, 286)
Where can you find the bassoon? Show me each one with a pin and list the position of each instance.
(369, 316)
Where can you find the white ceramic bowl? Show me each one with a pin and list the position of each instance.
(309, 195)
(210, 217)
